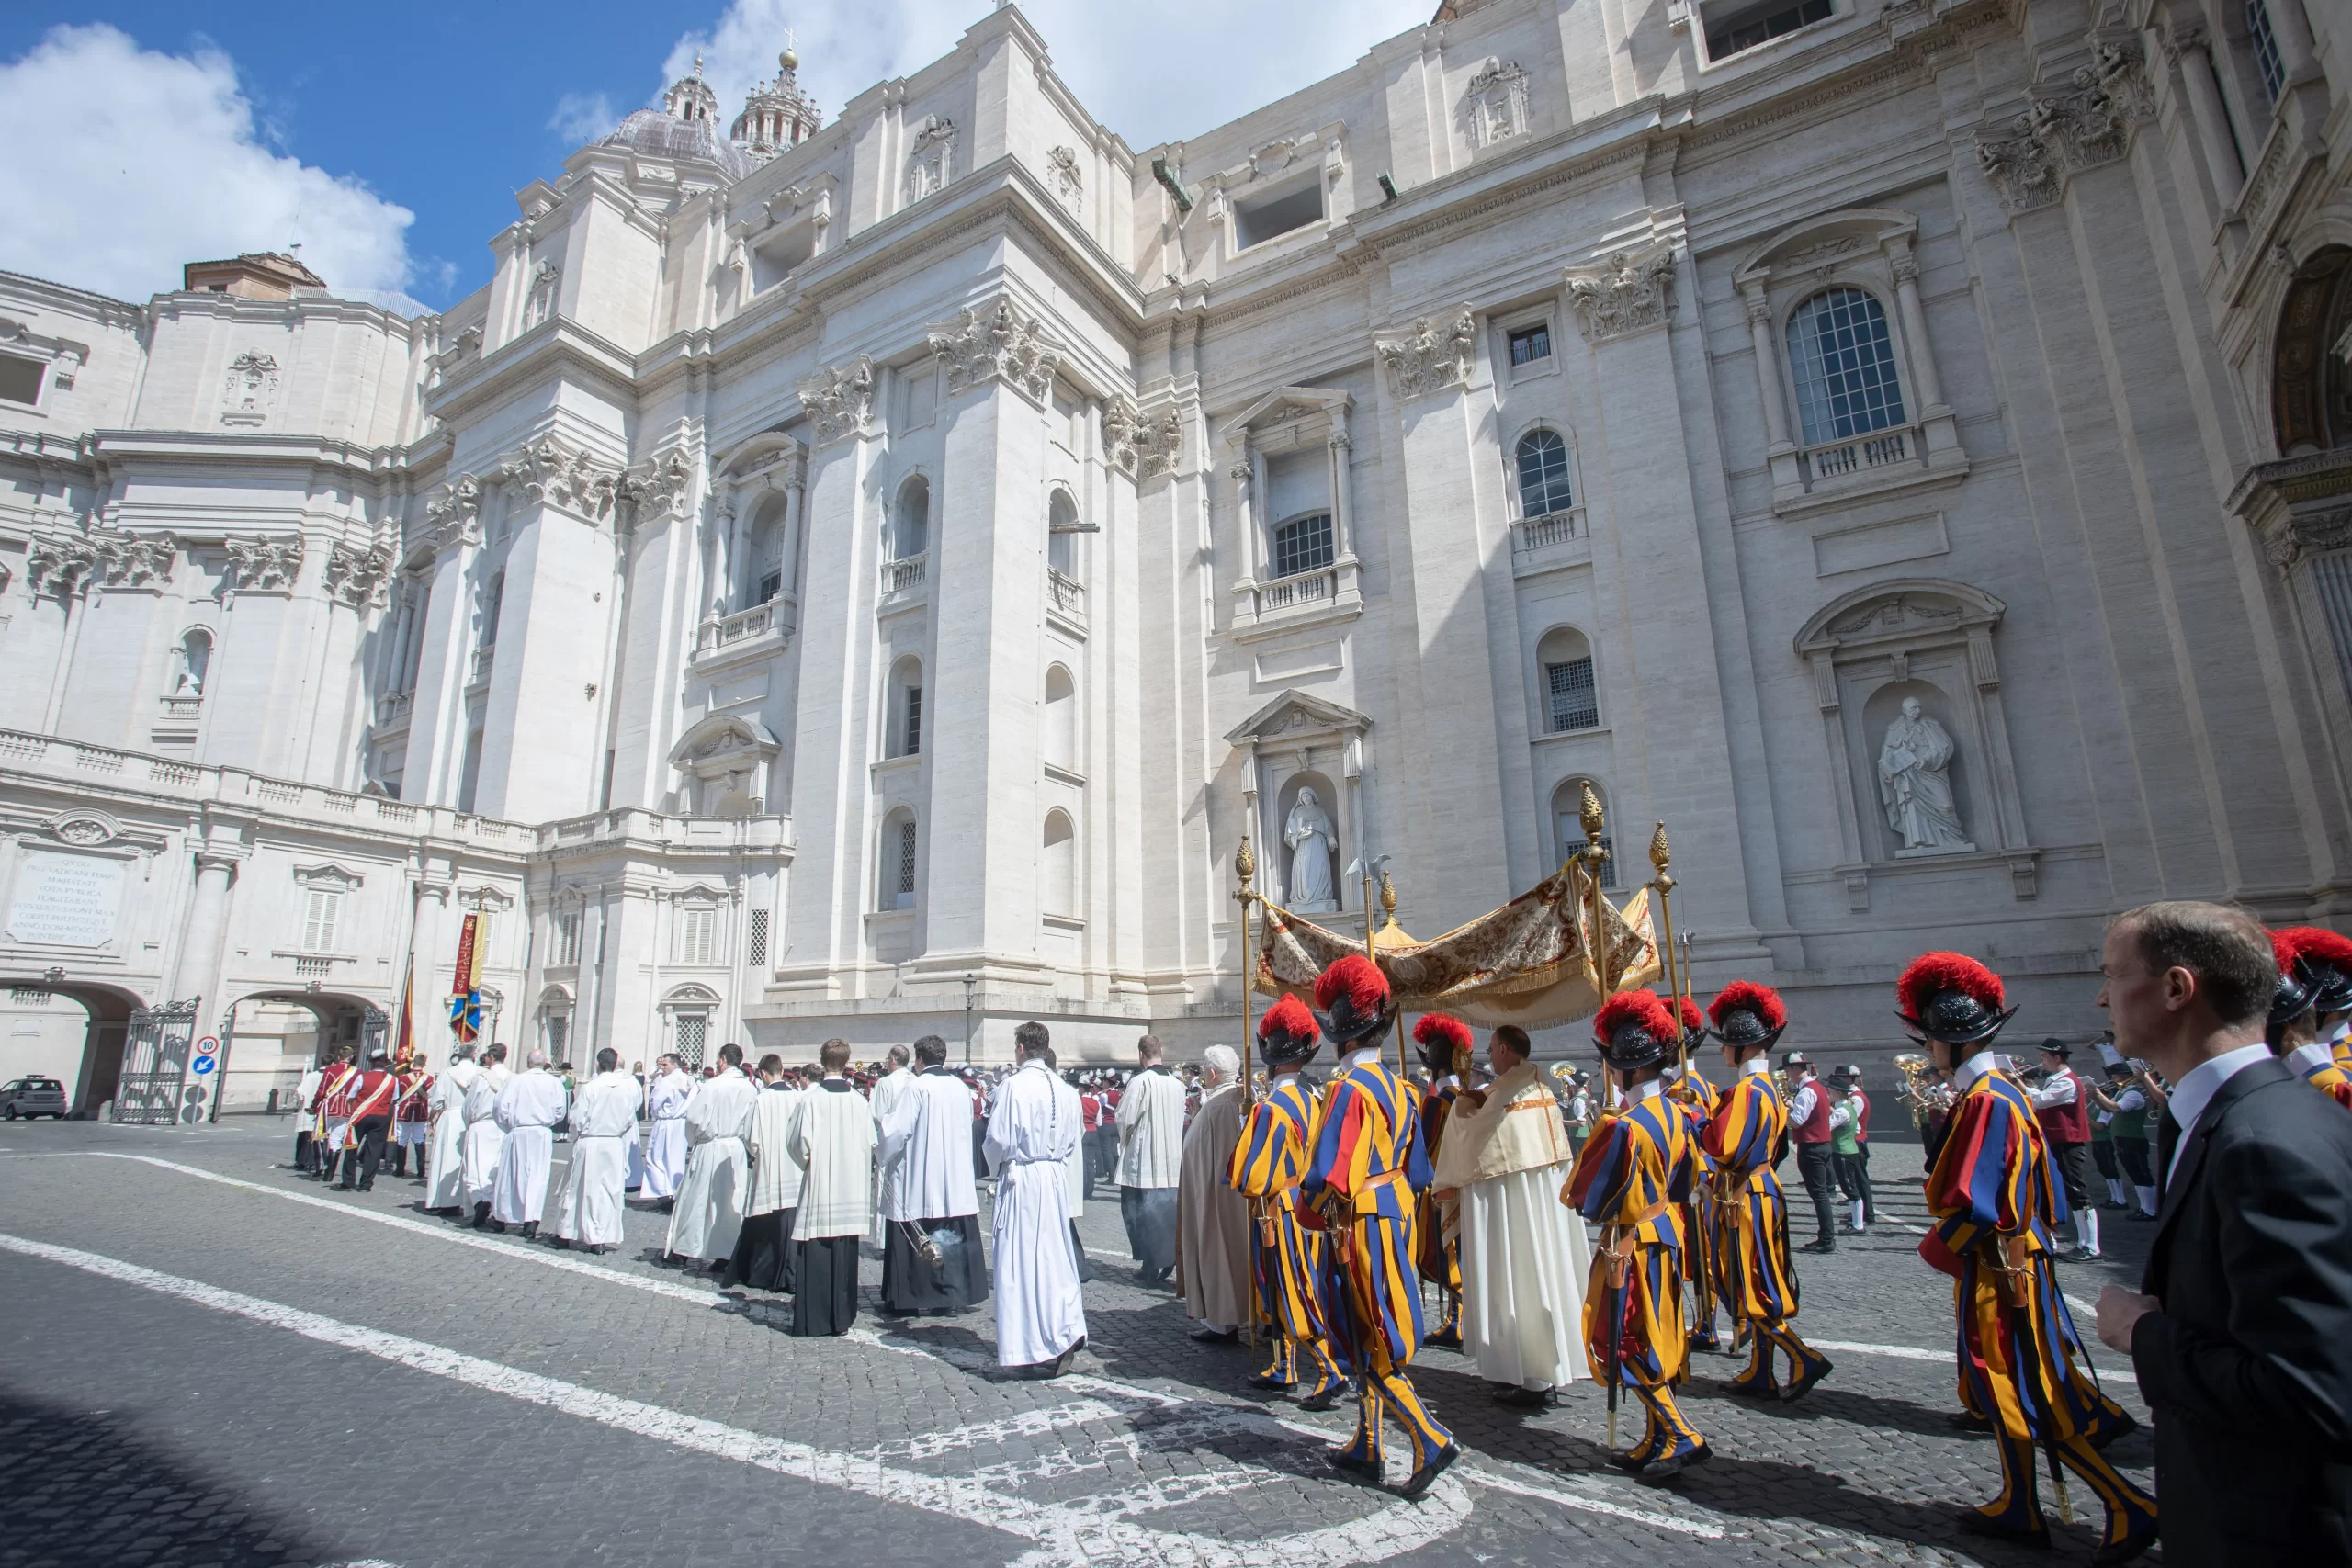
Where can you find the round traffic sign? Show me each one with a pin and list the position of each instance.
(209, 1047)
(202, 1066)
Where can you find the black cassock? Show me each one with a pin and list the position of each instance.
(824, 1298)
(764, 1252)
(957, 1282)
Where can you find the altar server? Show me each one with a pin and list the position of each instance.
(1151, 1144)
(709, 1210)
(445, 1192)
(528, 1109)
(665, 1129)
(1032, 1133)
(832, 1142)
(485, 1141)
(933, 1261)
(604, 1129)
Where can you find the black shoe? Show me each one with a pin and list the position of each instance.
(530, 1230)
(1420, 1480)
(1519, 1398)
(1803, 1384)
(1658, 1471)
(1632, 1463)
(2140, 1216)
(1218, 1336)
(1445, 1339)
(364, 1187)
(482, 1216)
(2127, 1550)
(2120, 1429)
(1062, 1361)
(2079, 1254)
(1968, 1421)
(344, 1187)
(1975, 1521)
(1259, 1380)
(1328, 1399)
(1826, 1243)
(1342, 1460)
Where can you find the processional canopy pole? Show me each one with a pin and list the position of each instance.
(1677, 976)
(1245, 867)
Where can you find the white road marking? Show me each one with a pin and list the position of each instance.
(1246, 1416)
(1065, 1535)
(1900, 1353)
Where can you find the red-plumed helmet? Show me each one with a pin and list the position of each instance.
(1445, 1041)
(1352, 999)
(1634, 1030)
(1748, 1017)
(2328, 957)
(1950, 998)
(1693, 1022)
(1288, 1033)
(2298, 992)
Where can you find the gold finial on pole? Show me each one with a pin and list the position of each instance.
(1590, 817)
(1245, 865)
(1387, 899)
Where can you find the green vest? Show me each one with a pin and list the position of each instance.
(1842, 1140)
(2130, 1124)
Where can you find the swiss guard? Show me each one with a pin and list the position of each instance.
(1293, 1291)
(1994, 1198)
(1364, 1181)
(2310, 1011)
(1745, 1139)
(1630, 1180)
(1446, 1044)
(1700, 1224)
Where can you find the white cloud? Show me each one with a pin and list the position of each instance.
(1236, 55)
(582, 118)
(145, 160)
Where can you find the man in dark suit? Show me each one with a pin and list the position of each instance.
(2242, 1343)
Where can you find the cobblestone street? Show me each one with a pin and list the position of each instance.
(208, 1361)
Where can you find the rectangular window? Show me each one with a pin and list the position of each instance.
(755, 954)
(20, 379)
(1574, 703)
(2265, 49)
(906, 889)
(913, 746)
(1732, 28)
(692, 1027)
(567, 938)
(694, 939)
(1530, 343)
(322, 911)
(771, 584)
(1303, 544)
(1255, 222)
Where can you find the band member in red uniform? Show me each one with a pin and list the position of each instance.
(411, 1118)
(370, 1096)
(333, 1108)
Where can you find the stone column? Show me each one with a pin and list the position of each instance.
(424, 944)
(197, 977)
(1940, 429)
(1768, 366)
(2206, 109)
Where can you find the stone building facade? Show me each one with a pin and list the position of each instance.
(840, 574)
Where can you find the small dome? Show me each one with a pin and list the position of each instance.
(655, 134)
(777, 115)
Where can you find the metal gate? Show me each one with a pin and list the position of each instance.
(154, 1087)
(374, 1024)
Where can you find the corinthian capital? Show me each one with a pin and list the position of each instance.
(1629, 292)
(840, 401)
(997, 339)
(1434, 356)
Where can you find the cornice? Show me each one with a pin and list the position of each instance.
(557, 346)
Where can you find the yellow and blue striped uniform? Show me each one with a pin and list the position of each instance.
(1632, 1179)
(1760, 1283)
(1995, 1197)
(1440, 1255)
(1701, 1265)
(1368, 1168)
(1294, 1293)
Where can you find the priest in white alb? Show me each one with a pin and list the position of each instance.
(1151, 1147)
(1524, 1257)
(445, 1105)
(528, 1109)
(762, 1256)
(665, 1129)
(932, 1258)
(833, 1141)
(1032, 1134)
(485, 1140)
(884, 1097)
(1212, 1219)
(709, 1210)
(593, 1199)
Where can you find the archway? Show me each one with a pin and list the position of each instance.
(270, 1038)
(91, 1068)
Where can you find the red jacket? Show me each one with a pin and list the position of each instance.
(2066, 1123)
(334, 1091)
(371, 1093)
(1814, 1129)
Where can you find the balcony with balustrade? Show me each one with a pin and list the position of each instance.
(1325, 594)
(1835, 473)
(906, 581)
(1066, 599)
(745, 636)
(1544, 544)
(485, 658)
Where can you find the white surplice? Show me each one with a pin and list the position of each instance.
(709, 1210)
(890, 1091)
(603, 1130)
(1151, 1129)
(665, 1135)
(833, 1141)
(485, 1140)
(1031, 1141)
(775, 1175)
(926, 1150)
(445, 1102)
(527, 1110)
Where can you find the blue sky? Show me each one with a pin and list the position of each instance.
(390, 141)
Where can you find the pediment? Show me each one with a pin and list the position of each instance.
(1902, 610)
(724, 737)
(327, 874)
(1291, 405)
(1295, 713)
(1827, 241)
(762, 449)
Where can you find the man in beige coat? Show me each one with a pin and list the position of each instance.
(1523, 1256)
(1212, 1219)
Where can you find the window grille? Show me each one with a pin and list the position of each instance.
(1530, 343)
(1571, 838)
(1303, 544)
(1844, 364)
(914, 722)
(696, 932)
(692, 1027)
(1575, 704)
(1542, 474)
(559, 1034)
(905, 891)
(567, 937)
(2265, 49)
(322, 911)
(756, 948)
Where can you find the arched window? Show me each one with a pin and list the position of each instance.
(1058, 865)
(763, 567)
(1302, 544)
(910, 520)
(1061, 536)
(1567, 826)
(1542, 474)
(1061, 718)
(1570, 695)
(195, 662)
(904, 721)
(1844, 364)
(896, 855)
(2310, 386)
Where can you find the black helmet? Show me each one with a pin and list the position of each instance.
(1288, 1033)
(1952, 999)
(1352, 999)
(1634, 1030)
(1748, 1016)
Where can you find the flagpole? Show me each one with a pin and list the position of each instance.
(1590, 818)
(1677, 977)
(1245, 867)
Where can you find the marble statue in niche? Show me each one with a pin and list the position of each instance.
(1914, 785)
(1309, 833)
